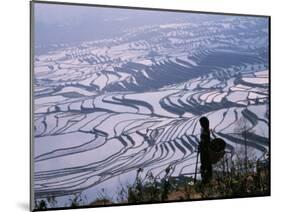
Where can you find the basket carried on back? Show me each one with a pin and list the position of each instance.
(216, 150)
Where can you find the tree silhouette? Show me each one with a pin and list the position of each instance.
(243, 129)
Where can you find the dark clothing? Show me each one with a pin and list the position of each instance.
(206, 165)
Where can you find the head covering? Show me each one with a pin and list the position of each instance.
(204, 122)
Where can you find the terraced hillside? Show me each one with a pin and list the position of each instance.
(105, 108)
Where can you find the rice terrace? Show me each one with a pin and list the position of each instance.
(117, 105)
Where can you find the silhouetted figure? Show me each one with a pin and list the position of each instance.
(205, 140)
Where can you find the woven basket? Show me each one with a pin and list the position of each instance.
(216, 150)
